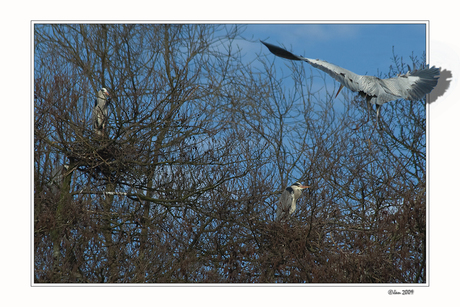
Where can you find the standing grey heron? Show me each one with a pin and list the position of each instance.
(287, 206)
(57, 177)
(100, 112)
(413, 85)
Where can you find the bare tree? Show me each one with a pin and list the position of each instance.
(184, 186)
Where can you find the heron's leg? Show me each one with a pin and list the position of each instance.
(368, 101)
(378, 106)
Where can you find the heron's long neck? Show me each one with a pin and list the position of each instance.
(297, 193)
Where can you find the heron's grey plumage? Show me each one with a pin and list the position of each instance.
(413, 85)
(57, 177)
(287, 203)
(100, 112)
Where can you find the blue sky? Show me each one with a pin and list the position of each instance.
(361, 48)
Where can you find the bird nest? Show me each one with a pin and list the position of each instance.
(99, 158)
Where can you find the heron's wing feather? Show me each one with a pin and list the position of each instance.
(284, 205)
(282, 53)
(413, 85)
(345, 77)
(100, 111)
(95, 112)
(368, 85)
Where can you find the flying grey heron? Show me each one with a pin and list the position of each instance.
(287, 206)
(100, 112)
(413, 85)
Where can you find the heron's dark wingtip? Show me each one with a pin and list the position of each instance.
(281, 52)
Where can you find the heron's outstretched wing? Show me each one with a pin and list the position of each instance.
(413, 85)
(345, 77)
(282, 53)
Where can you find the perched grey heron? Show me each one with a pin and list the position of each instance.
(413, 85)
(57, 177)
(100, 112)
(286, 206)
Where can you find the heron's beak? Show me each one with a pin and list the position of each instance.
(304, 186)
(340, 88)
